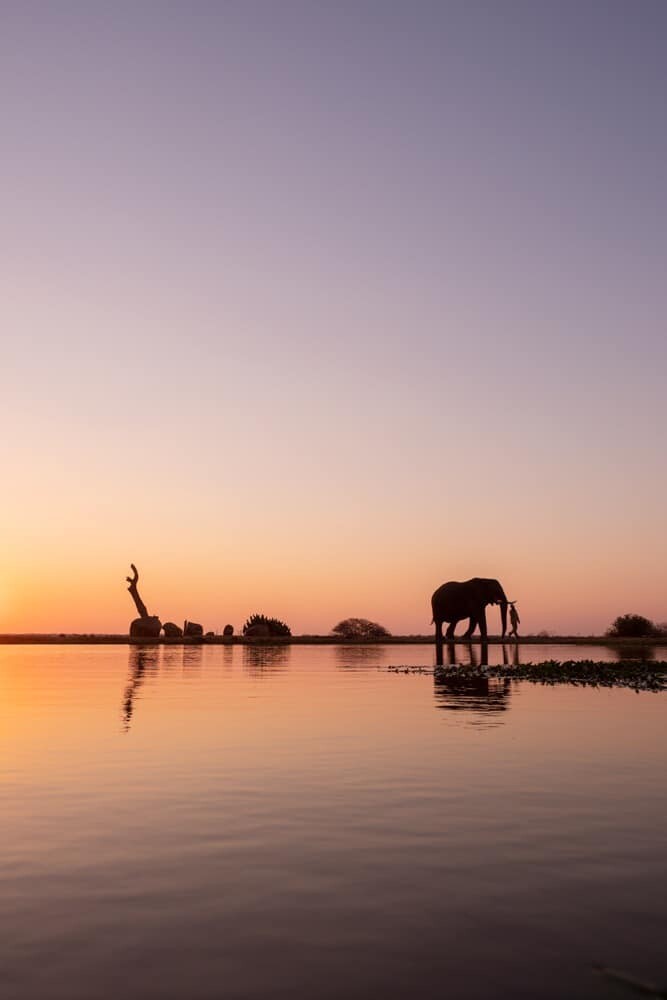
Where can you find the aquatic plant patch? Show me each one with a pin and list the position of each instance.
(640, 675)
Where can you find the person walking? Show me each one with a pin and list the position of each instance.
(514, 620)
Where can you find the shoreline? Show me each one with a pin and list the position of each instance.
(51, 639)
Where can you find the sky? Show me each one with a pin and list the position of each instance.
(310, 307)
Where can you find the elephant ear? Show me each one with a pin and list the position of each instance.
(487, 590)
(478, 587)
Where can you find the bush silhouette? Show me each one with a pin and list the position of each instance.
(360, 628)
(274, 626)
(631, 626)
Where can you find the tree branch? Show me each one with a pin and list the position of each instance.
(141, 607)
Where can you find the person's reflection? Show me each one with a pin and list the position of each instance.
(514, 649)
(359, 657)
(260, 661)
(141, 659)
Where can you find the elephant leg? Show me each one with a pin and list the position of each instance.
(482, 624)
(472, 625)
(450, 631)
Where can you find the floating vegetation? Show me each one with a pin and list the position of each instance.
(639, 675)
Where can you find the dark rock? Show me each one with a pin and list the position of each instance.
(172, 631)
(145, 628)
(228, 630)
(259, 631)
(193, 629)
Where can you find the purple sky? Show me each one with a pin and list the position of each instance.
(314, 290)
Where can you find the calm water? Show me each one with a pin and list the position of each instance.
(295, 822)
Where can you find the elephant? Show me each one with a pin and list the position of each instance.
(455, 601)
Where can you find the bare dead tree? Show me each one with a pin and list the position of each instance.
(141, 607)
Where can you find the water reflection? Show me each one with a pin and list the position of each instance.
(355, 816)
(359, 657)
(482, 697)
(476, 654)
(634, 652)
(228, 657)
(172, 659)
(192, 660)
(514, 659)
(141, 659)
(261, 661)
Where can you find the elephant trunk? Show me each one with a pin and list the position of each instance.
(503, 615)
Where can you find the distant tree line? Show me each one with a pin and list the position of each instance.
(360, 629)
(261, 625)
(628, 626)
(635, 627)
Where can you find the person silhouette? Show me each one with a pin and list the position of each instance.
(514, 619)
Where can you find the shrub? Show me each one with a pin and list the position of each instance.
(274, 626)
(360, 628)
(631, 626)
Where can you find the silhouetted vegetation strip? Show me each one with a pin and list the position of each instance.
(360, 629)
(635, 627)
(636, 674)
(261, 625)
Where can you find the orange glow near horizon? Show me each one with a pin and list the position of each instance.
(85, 590)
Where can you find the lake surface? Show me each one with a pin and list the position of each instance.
(207, 822)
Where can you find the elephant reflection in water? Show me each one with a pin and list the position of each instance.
(480, 696)
(478, 655)
(465, 655)
(142, 659)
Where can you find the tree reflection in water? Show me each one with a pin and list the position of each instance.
(482, 697)
(192, 660)
(359, 657)
(142, 659)
(632, 651)
(228, 657)
(261, 661)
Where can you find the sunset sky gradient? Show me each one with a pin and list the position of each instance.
(309, 308)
